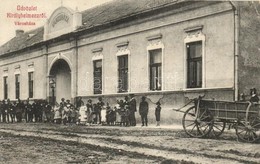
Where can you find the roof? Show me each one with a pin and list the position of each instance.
(100, 15)
(24, 40)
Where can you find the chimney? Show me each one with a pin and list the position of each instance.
(18, 33)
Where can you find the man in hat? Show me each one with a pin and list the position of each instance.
(132, 109)
(62, 103)
(100, 105)
(254, 98)
(143, 111)
(79, 103)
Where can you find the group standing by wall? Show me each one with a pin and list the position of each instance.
(17, 111)
(123, 113)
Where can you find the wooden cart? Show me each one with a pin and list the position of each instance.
(209, 118)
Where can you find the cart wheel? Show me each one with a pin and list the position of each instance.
(199, 126)
(217, 129)
(248, 131)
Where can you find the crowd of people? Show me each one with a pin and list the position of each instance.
(123, 113)
(38, 111)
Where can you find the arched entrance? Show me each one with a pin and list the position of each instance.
(61, 73)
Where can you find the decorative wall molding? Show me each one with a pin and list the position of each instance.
(17, 71)
(194, 28)
(5, 72)
(155, 42)
(122, 49)
(194, 36)
(5, 69)
(97, 53)
(122, 44)
(97, 50)
(30, 67)
(158, 36)
(31, 64)
(17, 67)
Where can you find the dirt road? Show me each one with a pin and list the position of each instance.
(48, 143)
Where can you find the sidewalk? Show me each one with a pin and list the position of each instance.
(139, 127)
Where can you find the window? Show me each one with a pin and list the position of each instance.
(17, 86)
(30, 84)
(123, 73)
(194, 55)
(5, 87)
(97, 76)
(155, 69)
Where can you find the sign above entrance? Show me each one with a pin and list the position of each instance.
(63, 20)
(59, 18)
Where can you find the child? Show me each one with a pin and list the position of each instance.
(73, 115)
(57, 114)
(158, 113)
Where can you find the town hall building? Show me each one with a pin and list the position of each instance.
(167, 50)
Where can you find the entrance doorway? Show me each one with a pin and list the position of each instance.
(61, 73)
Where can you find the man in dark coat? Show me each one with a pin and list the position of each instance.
(1, 111)
(28, 111)
(19, 110)
(132, 109)
(4, 110)
(11, 111)
(79, 103)
(143, 111)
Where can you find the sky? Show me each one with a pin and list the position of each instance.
(8, 27)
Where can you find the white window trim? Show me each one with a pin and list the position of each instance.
(5, 74)
(30, 67)
(33, 83)
(121, 52)
(3, 86)
(150, 47)
(128, 73)
(17, 71)
(98, 55)
(102, 91)
(195, 37)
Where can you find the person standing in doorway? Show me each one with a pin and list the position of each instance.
(143, 111)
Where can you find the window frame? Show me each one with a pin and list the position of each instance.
(5, 85)
(124, 69)
(30, 84)
(194, 35)
(155, 42)
(95, 91)
(156, 66)
(17, 86)
(195, 61)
